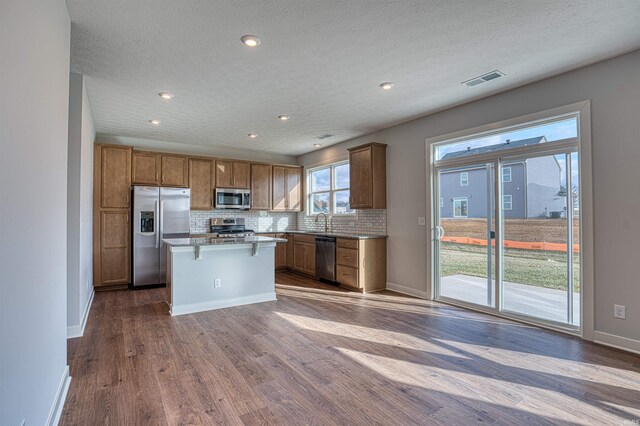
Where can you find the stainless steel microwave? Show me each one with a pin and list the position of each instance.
(227, 198)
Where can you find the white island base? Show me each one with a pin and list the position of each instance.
(245, 272)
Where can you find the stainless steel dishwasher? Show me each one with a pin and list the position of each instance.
(326, 258)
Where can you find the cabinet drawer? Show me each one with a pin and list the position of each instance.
(347, 257)
(347, 243)
(311, 239)
(347, 275)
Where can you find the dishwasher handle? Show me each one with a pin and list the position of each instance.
(326, 239)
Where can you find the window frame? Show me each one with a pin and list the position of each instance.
(504, 175)
(466, 178)
(582, 143)
(331, 191)
(466, 200)
(504, 200)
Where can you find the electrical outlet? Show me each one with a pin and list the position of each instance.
(619, 311)
(421, 221)
(217, 283)
(352, 224)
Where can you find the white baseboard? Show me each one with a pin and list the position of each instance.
(58, 402)
(74, 331)
(208, 306)
(617, 342)
(407, 290)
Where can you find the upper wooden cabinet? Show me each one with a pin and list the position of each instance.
(287, 188)
(201, 179)
(232, 174)
(145, 168)
(113, 175)
(368, 176)
(260, 186)
(175, 171)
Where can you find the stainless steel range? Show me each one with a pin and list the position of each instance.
(229, 228)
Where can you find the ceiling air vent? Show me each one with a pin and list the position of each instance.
(325, 136)
(483, 78)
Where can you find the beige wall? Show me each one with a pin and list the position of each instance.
(79, 205)
(614, 91)
(34, 71)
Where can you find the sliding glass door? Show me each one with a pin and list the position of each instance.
(464, 234)
(507, 224)
(540, 251)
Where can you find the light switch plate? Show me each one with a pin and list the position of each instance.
(421, 221)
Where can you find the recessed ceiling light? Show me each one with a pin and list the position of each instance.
(250, 40)
(166, 95)
(386, 86)
(284, 117)
(155, 122)
(252, 135)
(317, 145)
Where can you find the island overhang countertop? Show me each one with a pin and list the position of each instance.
(220, 241)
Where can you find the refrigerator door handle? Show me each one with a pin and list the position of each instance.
(160, 231)
(157, 230)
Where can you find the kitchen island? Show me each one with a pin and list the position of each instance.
(212, 273)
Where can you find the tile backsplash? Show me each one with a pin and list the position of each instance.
(255, 220)
(365, 222)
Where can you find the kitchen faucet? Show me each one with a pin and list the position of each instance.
(325, 221)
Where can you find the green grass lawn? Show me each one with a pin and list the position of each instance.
(540, 268)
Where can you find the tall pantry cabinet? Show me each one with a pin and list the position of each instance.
(111, 215)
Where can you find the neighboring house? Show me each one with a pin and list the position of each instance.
(531, 188)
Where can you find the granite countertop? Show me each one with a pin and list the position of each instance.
(328, 234)
(207, 241)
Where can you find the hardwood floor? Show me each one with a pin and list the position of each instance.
(319, 356)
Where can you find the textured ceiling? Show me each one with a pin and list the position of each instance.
(320, 62)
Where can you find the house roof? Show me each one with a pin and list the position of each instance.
(498, 147)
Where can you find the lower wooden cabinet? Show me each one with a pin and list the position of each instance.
(281, 251)
(304, 254)
(113, 263)
(362, 264)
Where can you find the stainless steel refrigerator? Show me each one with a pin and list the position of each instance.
(158, 213)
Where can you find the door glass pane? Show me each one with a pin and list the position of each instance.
(535, 272)
(465, 253)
